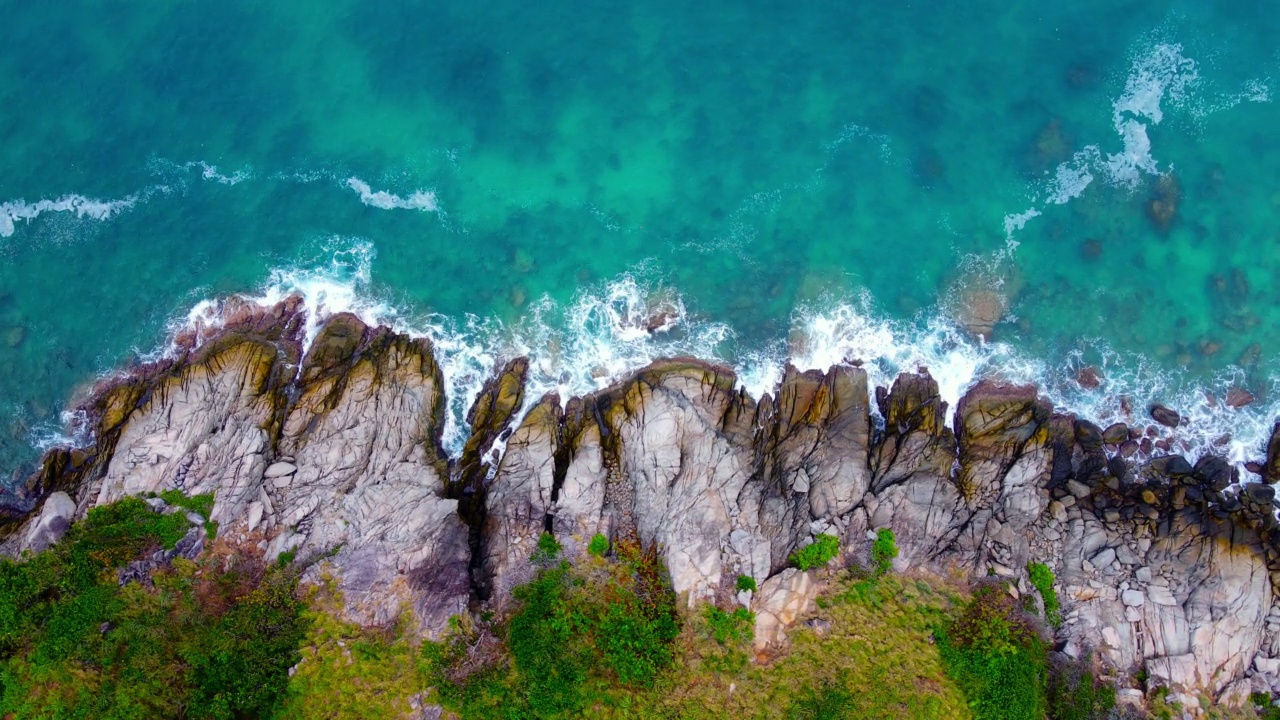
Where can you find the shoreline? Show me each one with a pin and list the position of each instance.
(331, 454)
(1206, 428)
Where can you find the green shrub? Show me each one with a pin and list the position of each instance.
(599, 545)
(816, 554)
(547, 550)
(574, 635)
(1073, 693)
(736, 627)
(745, 583)
(996, 657)
(1042, 580)
(541, 636)
(199, 641)
(883, 551)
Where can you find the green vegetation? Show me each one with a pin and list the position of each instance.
(994, 653)
(883, 551)
(736, 627)
(547, 551)
(350, 672)
(1042, 579)
(603, 638)
(207, 639)
(1075, 693)
(202, 505)
(599, 545)
(821, 551)
(579, 634)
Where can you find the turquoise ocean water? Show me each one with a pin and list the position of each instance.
(824, 181)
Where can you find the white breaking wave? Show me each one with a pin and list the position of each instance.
(15, 211)
(597, 338)
(609, 331)
(843, 332)
(1161, 73)
(424, 200)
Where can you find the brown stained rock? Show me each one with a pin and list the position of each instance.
(979, 309)
(1250, 356)
(911, 470)
(334, 347)
(1089, 378)
(830, 411)
(1166, 416)
(1115, 434)
(995, 425)
(1051, 146)
(1239, 397)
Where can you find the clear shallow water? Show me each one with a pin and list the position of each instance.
(821, 182)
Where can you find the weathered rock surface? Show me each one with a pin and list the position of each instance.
(1162, 565)
(336, 457)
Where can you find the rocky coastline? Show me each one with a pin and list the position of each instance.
(332, 449)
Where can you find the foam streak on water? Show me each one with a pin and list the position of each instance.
(82, 207)
(423, 200)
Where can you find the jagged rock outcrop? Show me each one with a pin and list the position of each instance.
(335, 457)
(1162, 564)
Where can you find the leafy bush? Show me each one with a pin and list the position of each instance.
(745, 583)
(1042, 579)
(547, 550)
(883, 551)
(599, 545)
(816, 554)
(736, 627)
(200, 640)
(994, 654)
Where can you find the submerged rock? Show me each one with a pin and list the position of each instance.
(14, 336)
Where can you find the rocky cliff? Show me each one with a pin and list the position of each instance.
(332, 454)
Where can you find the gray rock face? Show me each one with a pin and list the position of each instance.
(337, 457)
(1160, 564)
(48, 528)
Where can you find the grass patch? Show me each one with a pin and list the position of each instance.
(350, 672)
(874, 661)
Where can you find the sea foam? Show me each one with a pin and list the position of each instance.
(82, 207)
(610, 330)
(424, 200)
